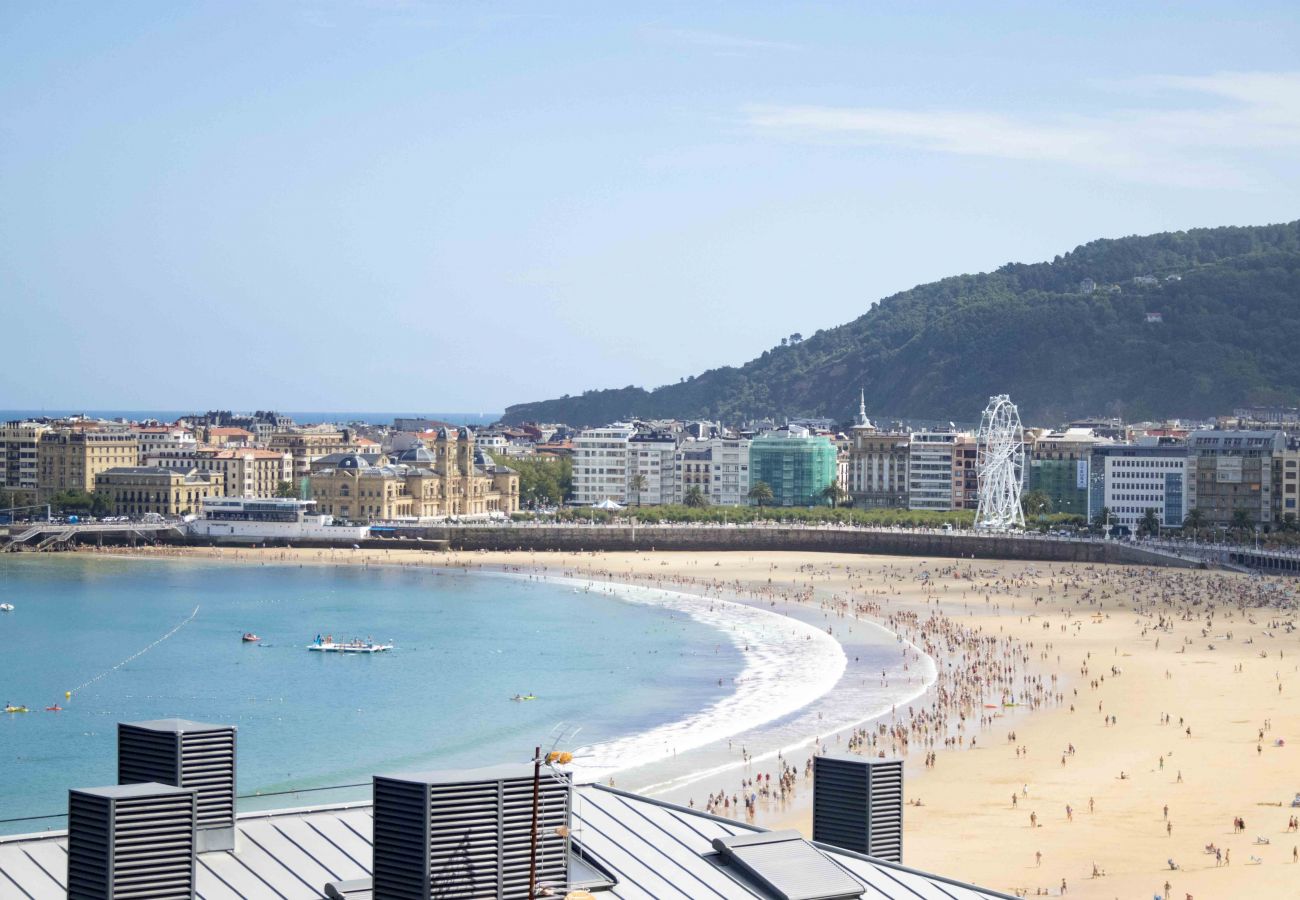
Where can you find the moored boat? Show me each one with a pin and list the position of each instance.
(250, 638)
(329, 645)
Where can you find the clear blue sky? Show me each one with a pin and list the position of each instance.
(400, 205)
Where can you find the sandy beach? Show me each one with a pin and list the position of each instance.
(1157, 715)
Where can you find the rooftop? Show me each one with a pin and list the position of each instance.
(647, 848)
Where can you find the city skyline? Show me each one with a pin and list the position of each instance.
(491, 206)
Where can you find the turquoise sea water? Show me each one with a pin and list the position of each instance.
(465, 644)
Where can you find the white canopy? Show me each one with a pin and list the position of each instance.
(607, 503)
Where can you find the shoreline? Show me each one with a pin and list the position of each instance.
(713, 757)
(753, 799)
(1156, 708)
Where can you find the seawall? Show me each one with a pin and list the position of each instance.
(940, 544)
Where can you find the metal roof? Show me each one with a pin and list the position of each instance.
(649, 848)
(789, 866)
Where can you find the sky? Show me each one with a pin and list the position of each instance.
(458, 206)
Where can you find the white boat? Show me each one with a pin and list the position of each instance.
(6, 607)
(328, 645)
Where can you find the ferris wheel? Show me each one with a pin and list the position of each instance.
(1001, 465)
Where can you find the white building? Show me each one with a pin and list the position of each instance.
(929, 469)
(719, 467)
(242, 471)
(600, 469)
(155, 439)
(650, 458)
(1128, 480)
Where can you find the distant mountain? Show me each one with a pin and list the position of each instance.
(1188, 323)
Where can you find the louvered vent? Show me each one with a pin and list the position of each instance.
(186, 754)
(858, 805)
(463, 835)
(131, 842)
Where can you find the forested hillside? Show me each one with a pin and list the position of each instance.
(1229, 333)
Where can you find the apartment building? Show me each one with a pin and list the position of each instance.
(151, 439)
(239, 471)
(796, 465)
(651, 468)
(965, 472)
(1058, 466)
(1286, 485)
(719, 467)
(70, 459)
(1230, 471)
(600, 470)
(930, 469)
(19, 469)
(304, 446)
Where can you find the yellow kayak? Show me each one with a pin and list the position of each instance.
(17, 709)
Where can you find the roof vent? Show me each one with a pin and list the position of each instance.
(186, 754)
(858, 805)
(132, 840)
(467, 834)
(785, 864)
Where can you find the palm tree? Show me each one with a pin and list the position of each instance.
(761, 493)
(834, 494)
(1241, 520)
(285, 489)
(1195, 521)
(695, 498)
(1150, 523)
(639, 484)
(1102, 519)
(1036, 503)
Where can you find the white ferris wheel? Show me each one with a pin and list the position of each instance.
(1001, 466)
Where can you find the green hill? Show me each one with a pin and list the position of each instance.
(1229, 299)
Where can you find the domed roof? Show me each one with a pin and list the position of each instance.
(353, 461)
(416, 453)
(464, 433)
(442, 434)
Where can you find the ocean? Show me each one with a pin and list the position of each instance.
(464, 646)
(657, 688)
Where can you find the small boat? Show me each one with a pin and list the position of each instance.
(250, 638)
(329, 645)
(6, 607)
(16, 709)
(519, 698)
(54, 708)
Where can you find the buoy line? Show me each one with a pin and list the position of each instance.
(133, 656)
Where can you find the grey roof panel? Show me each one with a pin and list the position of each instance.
(653, 849)
(789, 866)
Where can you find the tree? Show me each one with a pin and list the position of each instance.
(286, 490)
(761, 494)
(1150, 523)
(78, 502)
(1241, 520)
(695, 498)
(1036, 503)
(1195, 520)
(638, 483)
(834, 494)
(1102, 520)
